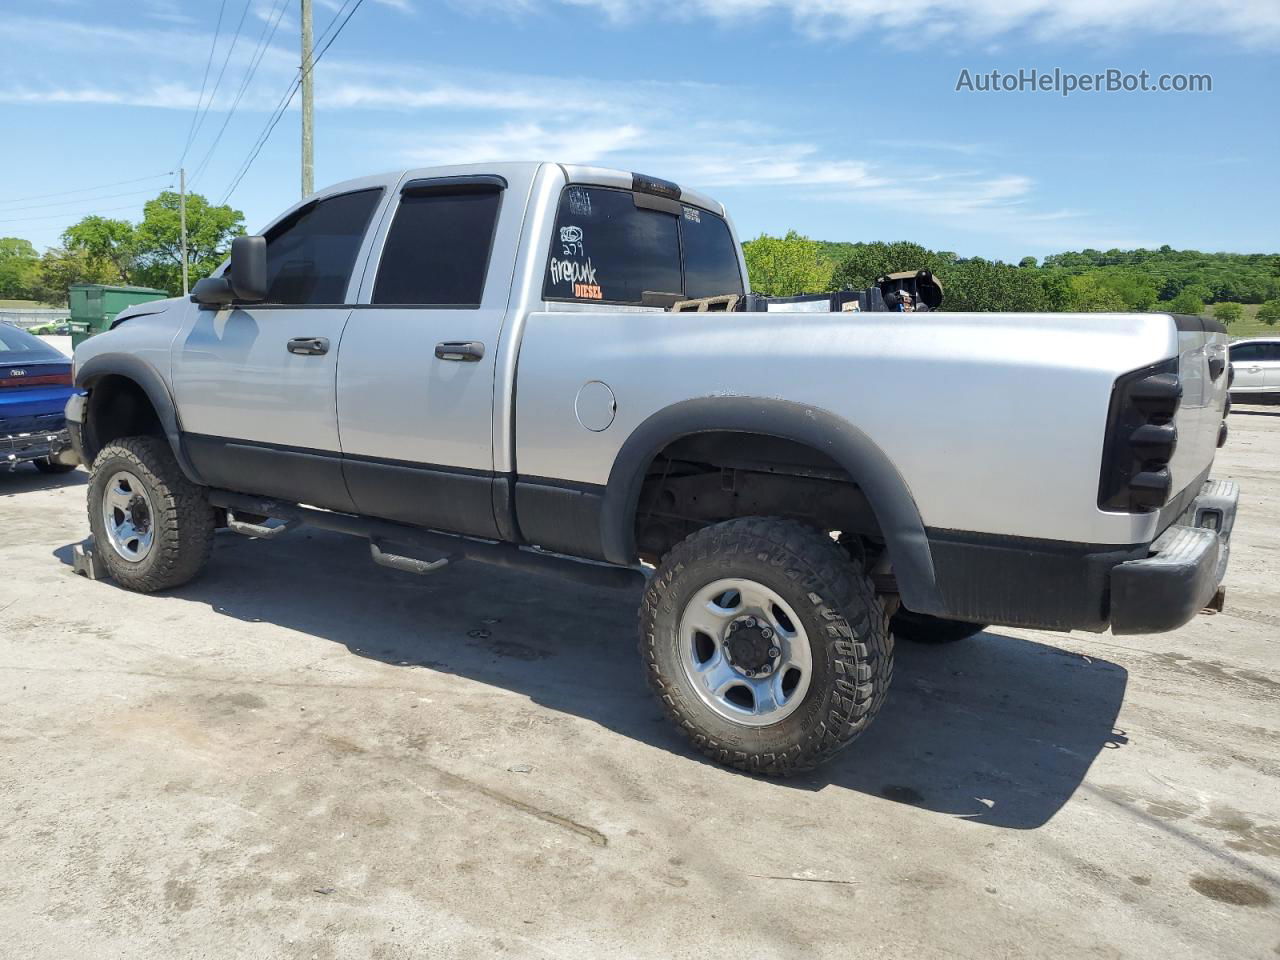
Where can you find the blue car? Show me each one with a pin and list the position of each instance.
(35, 382)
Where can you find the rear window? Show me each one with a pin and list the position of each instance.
(18, 346)
(605, 249)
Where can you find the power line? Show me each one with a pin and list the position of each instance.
(101, 186)
(56, 216)
(285, 101)
(64, 203)
(264, 42)
(221, 73)
(191, 132)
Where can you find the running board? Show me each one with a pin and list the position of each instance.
(407, 564)
(258, 530)
(509, 555)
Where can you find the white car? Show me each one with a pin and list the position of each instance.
(1256, 366)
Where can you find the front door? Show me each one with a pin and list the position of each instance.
(416, 370)
(255, 383)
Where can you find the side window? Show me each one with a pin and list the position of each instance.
(1246, 352)
(710, 258)
(437, 251)
(311, 254)
(1271, 351)
(605, 248)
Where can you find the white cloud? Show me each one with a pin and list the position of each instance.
(1252, 23)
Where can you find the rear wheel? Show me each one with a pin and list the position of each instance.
(152, 527)
(767, 646)
(922, 628)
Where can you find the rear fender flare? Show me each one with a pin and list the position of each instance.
(886, 490)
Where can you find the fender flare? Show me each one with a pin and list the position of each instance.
(152, 384)
(887, 492)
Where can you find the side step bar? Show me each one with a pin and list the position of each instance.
(379, 532)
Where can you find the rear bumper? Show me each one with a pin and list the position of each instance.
(1058, 585)
(1183, 570)
(24, 447)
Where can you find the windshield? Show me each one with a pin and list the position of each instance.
(18, 346)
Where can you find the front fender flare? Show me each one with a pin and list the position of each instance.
(886, 490)
(152, 384)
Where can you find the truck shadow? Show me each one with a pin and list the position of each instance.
(997, 730)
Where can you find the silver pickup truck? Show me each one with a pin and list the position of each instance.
(496, 363)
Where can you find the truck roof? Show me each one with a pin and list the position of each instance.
(573, 173)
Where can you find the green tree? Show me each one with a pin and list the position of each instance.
(157, 239)
(1228, 313)
(19, 265)
(864, 262)
(1089, 295)
(1190, 300)
(786, 266)
(1269, 312)
(1028, 263)
(59, 268)
(109, 243)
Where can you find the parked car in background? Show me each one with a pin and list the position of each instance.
(35, 384)
(1256, 366)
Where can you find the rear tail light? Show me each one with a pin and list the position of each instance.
(1141, 438)
(62, 379)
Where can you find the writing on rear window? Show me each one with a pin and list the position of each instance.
(607, 248)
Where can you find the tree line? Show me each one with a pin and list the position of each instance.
(119, 252)
(1163, 280)
(147, 253)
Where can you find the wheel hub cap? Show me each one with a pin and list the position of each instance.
(749, 646)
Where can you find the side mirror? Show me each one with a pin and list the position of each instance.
(245, 279)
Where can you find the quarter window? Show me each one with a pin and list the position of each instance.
(710, 258)
(437, 251)
(311, 254)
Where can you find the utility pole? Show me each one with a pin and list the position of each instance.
(182, 217)
(308, 158)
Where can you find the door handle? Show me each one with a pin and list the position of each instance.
(468, 351)
(309, 346)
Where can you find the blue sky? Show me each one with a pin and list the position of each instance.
(838, 118)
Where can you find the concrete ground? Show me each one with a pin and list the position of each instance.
(305, 755)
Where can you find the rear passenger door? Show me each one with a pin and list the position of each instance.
(416, 369)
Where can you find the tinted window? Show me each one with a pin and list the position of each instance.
(1251, 351)
(437, 251)
(606, 248)
(710, 257)
(310, 255)
(18, 346)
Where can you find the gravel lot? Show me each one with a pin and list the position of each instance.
(306, 755)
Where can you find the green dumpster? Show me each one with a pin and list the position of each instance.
(95, 305)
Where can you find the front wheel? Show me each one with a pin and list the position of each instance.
(767, 646)
(152, 527)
